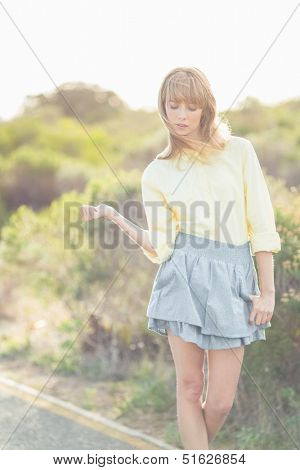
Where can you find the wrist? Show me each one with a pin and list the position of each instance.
(110, 213)
(105, 211)
(268, 291)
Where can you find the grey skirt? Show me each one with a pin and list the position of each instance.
(202, 294)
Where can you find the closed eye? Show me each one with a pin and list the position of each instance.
(191, 109)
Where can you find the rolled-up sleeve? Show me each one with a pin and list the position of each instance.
(161, 220)
(259, 210)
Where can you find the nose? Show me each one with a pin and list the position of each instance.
(181, 112)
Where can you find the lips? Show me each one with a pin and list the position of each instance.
(181, 125)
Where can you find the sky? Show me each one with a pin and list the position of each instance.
(128, 46)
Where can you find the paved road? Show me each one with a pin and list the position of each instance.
(54, 426)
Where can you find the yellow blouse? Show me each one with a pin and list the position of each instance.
(226, 199)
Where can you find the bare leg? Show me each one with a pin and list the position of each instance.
(188, 359)
(224, 367)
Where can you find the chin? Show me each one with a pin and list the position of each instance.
(182, 131)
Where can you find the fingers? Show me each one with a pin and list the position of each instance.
(252, 316)
(253, 311)
(258, 315)
(269, 317)
(81, 212)
(86, 212)
(266, 317)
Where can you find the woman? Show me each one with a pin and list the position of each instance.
(208, 211)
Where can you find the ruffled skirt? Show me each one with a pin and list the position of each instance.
(202, 294)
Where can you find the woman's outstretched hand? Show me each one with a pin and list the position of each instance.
(136, 233)
(95, 212)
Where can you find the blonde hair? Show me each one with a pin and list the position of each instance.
(191, 85)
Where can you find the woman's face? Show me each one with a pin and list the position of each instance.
(187, 114)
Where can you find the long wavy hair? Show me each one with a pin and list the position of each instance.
(191, 85)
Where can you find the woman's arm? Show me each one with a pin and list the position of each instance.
(262, 231)
(136, 233)
(265, 267)
(263, 306)
(259, 210)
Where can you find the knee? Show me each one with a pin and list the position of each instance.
(219, 407)
(191, 389)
